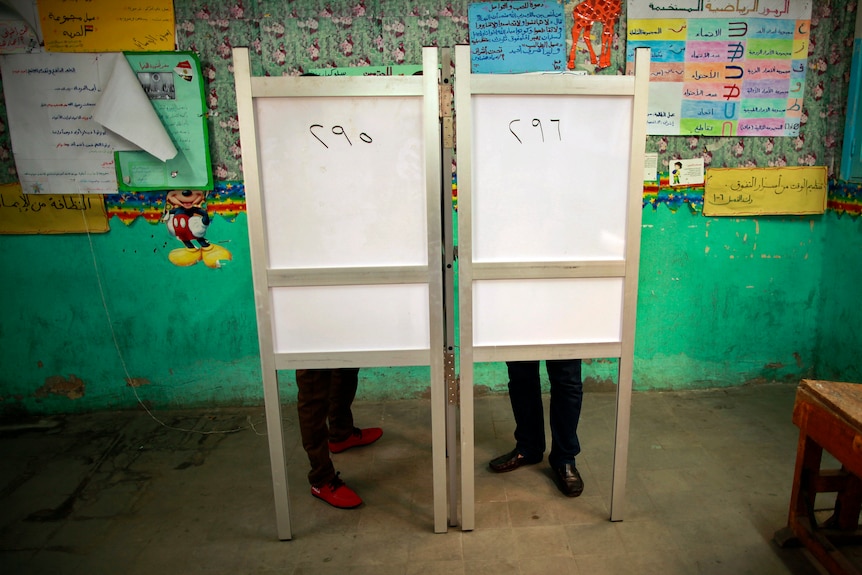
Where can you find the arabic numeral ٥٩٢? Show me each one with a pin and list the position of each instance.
(338, 131)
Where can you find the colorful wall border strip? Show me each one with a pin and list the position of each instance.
(227, 199)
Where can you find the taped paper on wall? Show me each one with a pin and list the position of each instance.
(765, 191)
(93, 124)
(107, 25)
(59, 148)
(22, 213)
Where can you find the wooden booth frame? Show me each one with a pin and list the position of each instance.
(602, 275)
(498, 268)
(272, 277)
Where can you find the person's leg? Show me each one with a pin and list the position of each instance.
(342, 392)
(312, 406)
(567, 392)
(343, 434)
(525, 395)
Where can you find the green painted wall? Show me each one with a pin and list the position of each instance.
(99, 322)
(837, 354)
(726, 301)
(85, 316)
(723, 301)
(184, 335)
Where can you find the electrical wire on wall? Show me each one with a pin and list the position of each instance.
(251, 425)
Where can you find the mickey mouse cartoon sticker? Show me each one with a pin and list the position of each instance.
(187, 220)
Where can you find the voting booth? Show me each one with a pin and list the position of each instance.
(342, 179)
(343, 183)
(550, 191)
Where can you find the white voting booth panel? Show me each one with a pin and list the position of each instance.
(360, 177)
(343, 182)
(529, 204)
(546, 312)
(549, 201)
(356, 318)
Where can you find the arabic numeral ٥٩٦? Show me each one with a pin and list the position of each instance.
(538, 132)
(338, 131)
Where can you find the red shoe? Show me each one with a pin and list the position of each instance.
(337, 494)
(358, 438)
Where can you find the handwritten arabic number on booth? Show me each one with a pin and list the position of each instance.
(536, 123)
(337, 131)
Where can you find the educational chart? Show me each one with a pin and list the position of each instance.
(723, 68)
(515, 37)
(107, 25)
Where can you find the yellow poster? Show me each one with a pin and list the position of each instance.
(107, 25)
(22, 213)
(765, 191)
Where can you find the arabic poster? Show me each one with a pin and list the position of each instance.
(765, 191)
(107, 25)
(723, 68)
(173, 86)
(50, 99)
(516, 37)
(22, 213)
(686, 172)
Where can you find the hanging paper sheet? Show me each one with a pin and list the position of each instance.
(173, 88)
(723, 69)
(107, 25)
(59, 148)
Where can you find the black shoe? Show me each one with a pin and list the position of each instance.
(568, 480)
(511, 461)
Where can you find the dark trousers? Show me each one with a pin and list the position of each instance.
(567, 392)
(324, 405)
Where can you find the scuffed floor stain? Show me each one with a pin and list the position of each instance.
(72, 387)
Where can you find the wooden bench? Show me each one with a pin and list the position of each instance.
(829, 416)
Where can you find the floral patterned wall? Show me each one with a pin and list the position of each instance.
(288, 37)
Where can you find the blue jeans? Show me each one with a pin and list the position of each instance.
(567, 393)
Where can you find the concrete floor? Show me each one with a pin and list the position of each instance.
(708, 485)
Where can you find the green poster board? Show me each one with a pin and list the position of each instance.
(175, 87)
